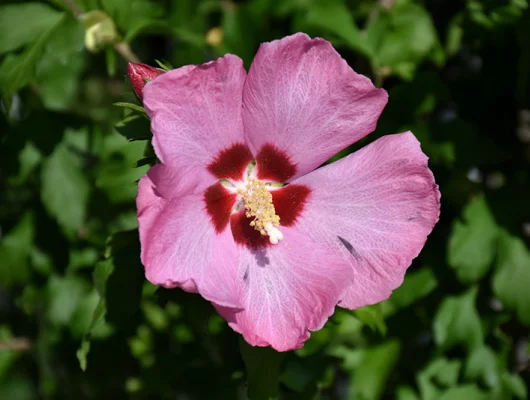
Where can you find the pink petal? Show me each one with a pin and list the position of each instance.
(302, 98)
(196, 116)
(182, 248)
(286, 290)
(375, 208)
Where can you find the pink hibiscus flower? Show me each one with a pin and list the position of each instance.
(239, 211)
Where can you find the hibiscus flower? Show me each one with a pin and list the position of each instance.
(240, 210)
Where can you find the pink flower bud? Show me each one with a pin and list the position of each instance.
(140, 74)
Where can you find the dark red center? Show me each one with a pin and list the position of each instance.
(272, 165)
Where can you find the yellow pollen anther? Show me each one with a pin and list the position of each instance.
(258, 205)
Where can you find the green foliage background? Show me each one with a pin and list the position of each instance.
(72, 291)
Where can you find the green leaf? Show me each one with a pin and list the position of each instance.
(465, 392)
(511, 280)
(439, 373)
(116, 174)
(7, 357)
(64, 294)
(263, 370)
(417, 284)
(15, 248)
(458, 323)
(514, 385)
(335, 17)
(133, 107)
(472, 242)
(134, 127)
(61, 64)
(375, 366)
(496, 13)
(373, 317)
(482, 364)
(21, 24)
(16, 71)
(82, 353)
(65, 189)
(118, 280)
(401, 38)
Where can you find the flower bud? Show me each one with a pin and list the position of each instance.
(100, 30)
(140, 74)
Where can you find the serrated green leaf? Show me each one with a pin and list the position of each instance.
(511, 281)
(472, 243)
(21, 24)
(65, 189)
(457, 322)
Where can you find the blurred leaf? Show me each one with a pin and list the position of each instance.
(465, 392)
(511, 281)
(458, 323)
(82, 353)
(417, 284)
(296, 376)
(16, 71)
(455, 33)
(7, 356)
(335, 17)
(65, 189)
(263, 370)
(129, 14)
(18, 388)
(373, 317)
(406, 393)
(29, 158)
(116, 174)
(236, 25)
(64, 294)
(21, 24)
(118, 280)
(401, 38)
(61, 64)
(375, 366)
(482, 364)
(15, 247)
(438, 374)
(472, 242)
(496, 13)
(514, 386)
(134, 127)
